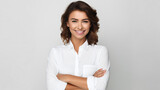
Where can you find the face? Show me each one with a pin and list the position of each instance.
(78, 24)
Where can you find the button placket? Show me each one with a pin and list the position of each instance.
(76, 65)
(77, 62)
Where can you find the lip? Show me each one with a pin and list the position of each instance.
(80, 32)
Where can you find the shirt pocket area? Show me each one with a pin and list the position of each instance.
(89, 70)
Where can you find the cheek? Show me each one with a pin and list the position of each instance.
(87, 26)
(72, 26)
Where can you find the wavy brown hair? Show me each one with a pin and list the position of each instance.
(92, 36)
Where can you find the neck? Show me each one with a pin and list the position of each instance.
(77, 43)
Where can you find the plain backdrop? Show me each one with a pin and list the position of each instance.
(130, 29)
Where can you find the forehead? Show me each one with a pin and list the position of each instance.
(78, 15)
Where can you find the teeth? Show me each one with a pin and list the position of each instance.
(79, 32)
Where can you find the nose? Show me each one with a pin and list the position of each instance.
(79, 25)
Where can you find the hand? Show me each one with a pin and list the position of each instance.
(99, 73)
(62, 77)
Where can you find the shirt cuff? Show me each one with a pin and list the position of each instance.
(63, 85)
(91, 82)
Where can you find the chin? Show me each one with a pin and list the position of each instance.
(80, 37)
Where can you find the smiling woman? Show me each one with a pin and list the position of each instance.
(78, 24)
(79, 64)
(84, 13)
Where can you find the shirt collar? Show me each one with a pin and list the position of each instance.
(85, 44)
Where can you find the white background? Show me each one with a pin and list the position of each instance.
(130, 29)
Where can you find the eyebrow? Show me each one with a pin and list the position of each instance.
(77, 19)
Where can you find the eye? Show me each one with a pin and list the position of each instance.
(74, 21)
(85, 21)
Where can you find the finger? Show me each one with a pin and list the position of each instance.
(100, 75)
(96, 74)
(103, 72)
(100, 72)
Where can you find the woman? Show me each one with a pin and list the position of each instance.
(79, 64)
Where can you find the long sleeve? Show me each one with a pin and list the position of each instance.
(95, 83)
(52, 82)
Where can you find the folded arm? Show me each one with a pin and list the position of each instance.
(76, 82)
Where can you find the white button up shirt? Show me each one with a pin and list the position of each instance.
(65, 60)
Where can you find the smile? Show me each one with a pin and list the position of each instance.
(80, 32)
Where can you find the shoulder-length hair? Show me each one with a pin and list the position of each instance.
(92, 36)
